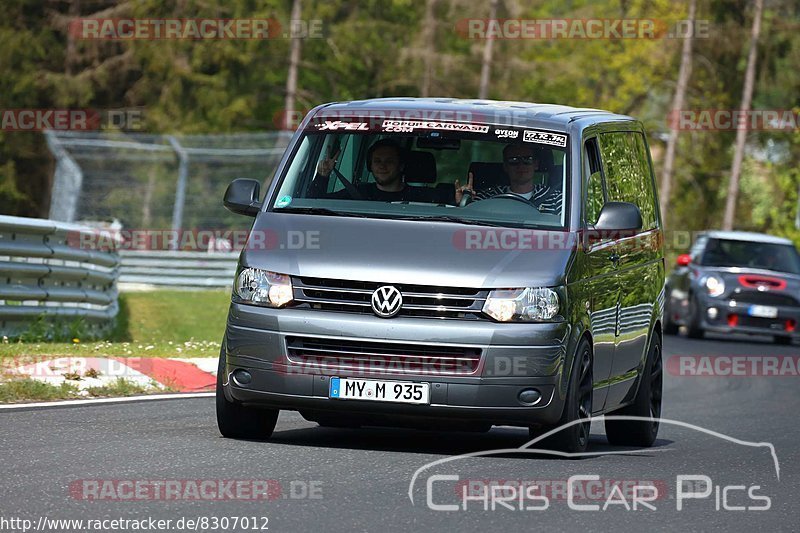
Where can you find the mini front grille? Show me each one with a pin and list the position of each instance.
(764, 298)
(418, 300)
(336, 355)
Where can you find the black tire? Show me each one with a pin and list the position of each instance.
(783, 341)
(236, 421)
(670, 327)
(646, 404)
(693, 330)
(574, 439)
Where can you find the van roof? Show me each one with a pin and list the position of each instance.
(486, 111)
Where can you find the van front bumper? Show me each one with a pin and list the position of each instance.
(513, 358)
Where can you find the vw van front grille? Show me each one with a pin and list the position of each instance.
(418, 300)
(328, 354)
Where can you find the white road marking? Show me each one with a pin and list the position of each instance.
(145, 397)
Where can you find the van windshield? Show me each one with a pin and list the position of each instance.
(434, 171)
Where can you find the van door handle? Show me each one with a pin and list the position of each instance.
(614, 258)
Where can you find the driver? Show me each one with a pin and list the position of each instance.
(520, 163)
(386, 160)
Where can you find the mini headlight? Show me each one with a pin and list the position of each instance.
(522, 305)
(714, 285)
(262, 287)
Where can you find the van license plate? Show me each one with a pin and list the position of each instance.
(763, 311)
(379, 391)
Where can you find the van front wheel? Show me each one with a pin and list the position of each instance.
(578, 406)
(236, 421)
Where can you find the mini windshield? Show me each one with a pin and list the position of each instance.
(436, 171)
(769, 256)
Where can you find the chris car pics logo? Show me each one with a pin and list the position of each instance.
(446, 488)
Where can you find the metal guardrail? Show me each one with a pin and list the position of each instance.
(43, 272)
(178, 269)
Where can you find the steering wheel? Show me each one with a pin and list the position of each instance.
(512, 196)
(466, 198)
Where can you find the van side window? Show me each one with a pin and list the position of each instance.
(649, 205)
(627, 171)
(595, 195)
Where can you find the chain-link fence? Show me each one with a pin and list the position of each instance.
(157, 182)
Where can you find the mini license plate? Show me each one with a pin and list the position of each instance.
(763, 311)
(380, 391)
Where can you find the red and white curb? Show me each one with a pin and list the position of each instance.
(188, 375)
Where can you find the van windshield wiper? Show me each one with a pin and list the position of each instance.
(318, 211)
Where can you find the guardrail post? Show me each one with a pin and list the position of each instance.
(180, 192)
(67, 184)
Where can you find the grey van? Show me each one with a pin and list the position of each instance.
(450, 263)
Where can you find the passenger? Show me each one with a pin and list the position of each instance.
(520, 164)
(386, 161)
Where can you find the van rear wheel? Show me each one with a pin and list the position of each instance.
(234, 420)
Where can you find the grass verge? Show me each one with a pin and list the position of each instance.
(31, 390)
(160, 323)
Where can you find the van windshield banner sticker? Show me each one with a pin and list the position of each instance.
(432, 127)
(544, 137)
(411, 125)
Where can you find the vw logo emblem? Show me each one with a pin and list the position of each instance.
(386, 301)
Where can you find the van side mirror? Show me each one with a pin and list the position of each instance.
(684, 260)
(619, 216)
(241, 197)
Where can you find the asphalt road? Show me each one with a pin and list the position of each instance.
(358, 480)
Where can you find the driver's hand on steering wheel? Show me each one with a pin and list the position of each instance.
(460, 189)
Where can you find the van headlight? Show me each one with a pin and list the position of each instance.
(714, 285)
(522, 305)
(261, 287)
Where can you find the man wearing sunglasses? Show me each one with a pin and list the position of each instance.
(520, 163)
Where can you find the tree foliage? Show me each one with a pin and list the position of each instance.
(376, 48)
